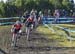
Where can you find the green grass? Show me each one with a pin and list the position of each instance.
(59, 35)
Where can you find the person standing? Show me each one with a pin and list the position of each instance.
(56, 15)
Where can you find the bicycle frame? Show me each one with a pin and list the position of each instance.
(14, 39)
(28, 30)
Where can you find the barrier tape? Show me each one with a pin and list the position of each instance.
(64, 29)
(67, 32)
(49, 28)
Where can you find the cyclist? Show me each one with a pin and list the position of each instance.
(30, 21)
(16, 28)
(29, 25)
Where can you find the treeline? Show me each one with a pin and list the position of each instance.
(18, 7)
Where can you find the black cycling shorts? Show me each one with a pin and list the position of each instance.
(29, 24)
(16, 31)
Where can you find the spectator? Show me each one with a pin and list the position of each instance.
(40, 16)
(64, 13)
(49, 13)
(56, 15)
(71, 13)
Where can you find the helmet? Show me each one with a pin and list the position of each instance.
(17, 22)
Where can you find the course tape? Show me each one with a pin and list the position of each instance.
(59, 20)
(69, 21)
(67, 32)
(65, 29)
(49, 27)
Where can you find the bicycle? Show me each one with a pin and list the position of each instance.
(28, 30)
(15, 38)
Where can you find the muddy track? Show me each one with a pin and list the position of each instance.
(39, 44)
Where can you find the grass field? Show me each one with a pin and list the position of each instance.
(59, 35)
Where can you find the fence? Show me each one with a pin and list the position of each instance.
(58, 20)
(11, 20)
(8, 21)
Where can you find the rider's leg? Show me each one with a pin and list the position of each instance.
(35, 23)
(14, 39)
(31, 27)
(28, 32)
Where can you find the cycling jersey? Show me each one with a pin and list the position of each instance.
(30, 19)
(17, 26)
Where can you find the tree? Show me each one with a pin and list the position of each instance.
(66, 4)
(18, 7)
(56, 3)
(2, 11)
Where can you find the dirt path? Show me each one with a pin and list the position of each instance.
(38, 44)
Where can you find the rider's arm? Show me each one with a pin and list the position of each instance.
(26, 21)
(12, 29)
(13, 26)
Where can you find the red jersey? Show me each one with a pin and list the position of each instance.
(30, 19)
(17, 26)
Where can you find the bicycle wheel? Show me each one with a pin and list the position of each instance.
(14, 40)
(27, 32)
